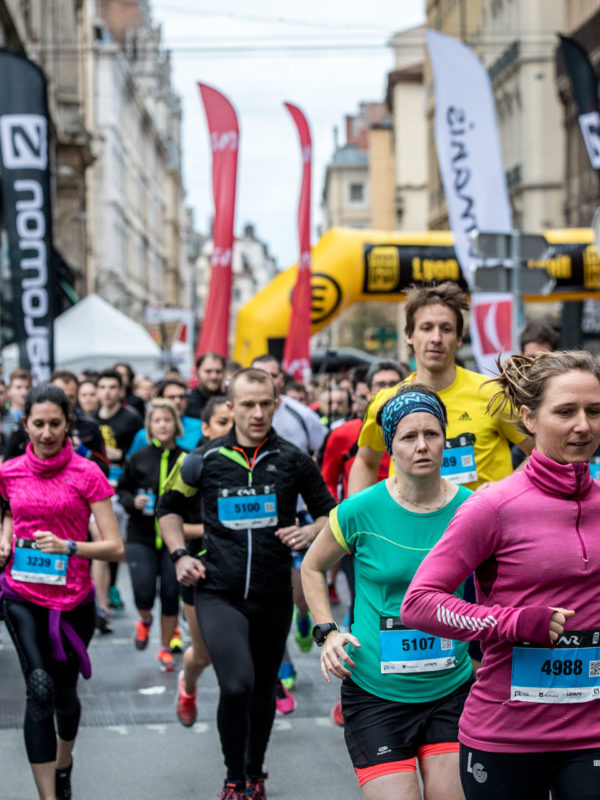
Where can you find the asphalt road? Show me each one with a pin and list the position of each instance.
(130, 744)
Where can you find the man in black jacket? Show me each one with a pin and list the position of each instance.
(210, 369)
(248, 482)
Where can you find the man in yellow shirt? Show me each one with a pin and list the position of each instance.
(477, 443)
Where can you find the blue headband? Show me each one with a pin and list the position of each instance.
(408, 403)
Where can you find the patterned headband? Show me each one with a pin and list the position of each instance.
(406, 403)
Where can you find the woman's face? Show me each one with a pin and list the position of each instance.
(87, 397)
(162, 426)
(219, 423)
(47, 428)
(418, 445)
(566, 426)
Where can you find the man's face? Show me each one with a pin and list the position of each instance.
(2, 395)
(210, 375)
(360, 399)
(69, 388)
(273, 369)
(177, 395)
(253, 407)
(434, 339)
(384, 379)
(334, 404)
(109, 391)
(17, 391)
(533, 348)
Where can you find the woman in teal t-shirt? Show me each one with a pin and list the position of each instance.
(402, 691)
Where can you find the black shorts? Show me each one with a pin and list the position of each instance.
(378, 731)
(187, 594)
(568, 774)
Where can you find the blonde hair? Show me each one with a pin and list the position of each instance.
(523, 379)
(161, 404)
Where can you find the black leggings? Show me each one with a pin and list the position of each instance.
(245, 640)
(146, 565)
(51, 685)
(569, 774)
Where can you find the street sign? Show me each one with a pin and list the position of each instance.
(498, 246)
(534, 280)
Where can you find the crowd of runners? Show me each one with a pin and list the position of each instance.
(461, 511)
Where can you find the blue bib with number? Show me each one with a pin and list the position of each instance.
(31, 565)
(114, 473)
(246, 507)
(567, 673)
(404, 650)
(458, 462)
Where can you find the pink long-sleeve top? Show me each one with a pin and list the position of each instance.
(533, 541)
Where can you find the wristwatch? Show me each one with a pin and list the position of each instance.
(71, 547)
(176, 554)
(321, 632)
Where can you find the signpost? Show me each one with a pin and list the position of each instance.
(513, 250)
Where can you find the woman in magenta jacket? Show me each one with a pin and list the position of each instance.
(531, 723)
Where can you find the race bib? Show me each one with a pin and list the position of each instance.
(31, 565)
(567, 673)
(114, 473)
(404, 650)
(458, 463)
(246, 507)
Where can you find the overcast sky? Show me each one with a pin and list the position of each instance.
(322, 55)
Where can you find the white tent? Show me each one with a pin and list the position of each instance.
(94, 335)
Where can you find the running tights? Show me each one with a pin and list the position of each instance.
(51, 685)
(569, 774)
(246, 640)
(146, 564)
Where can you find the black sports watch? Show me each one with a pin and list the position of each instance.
(176, 554)
(321, 632)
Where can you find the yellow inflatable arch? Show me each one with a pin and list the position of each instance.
(351, 265)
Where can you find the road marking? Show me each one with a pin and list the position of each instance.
(120, 729)
(282, 725)
(201, 727)
(153, 690)
(157, 728)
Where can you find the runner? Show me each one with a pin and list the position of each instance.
(216, 421)
(142, 482)
(477, 445)
(210, 368)
(175, 390)
(248, 482)
(118, 425)
(402, 692)
(531, 723)
(48, 598)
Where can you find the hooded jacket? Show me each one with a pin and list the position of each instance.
(533, 540)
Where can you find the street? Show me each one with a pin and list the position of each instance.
(130, 744)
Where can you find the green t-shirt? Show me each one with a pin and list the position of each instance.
(388, 544)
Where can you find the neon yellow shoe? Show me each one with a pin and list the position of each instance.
(304, 626)
(176, 643)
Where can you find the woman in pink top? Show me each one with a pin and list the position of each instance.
(46, 590)
(531, 723)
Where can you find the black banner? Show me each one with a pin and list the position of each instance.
(392, 268)
(26, 210)
(585, 91)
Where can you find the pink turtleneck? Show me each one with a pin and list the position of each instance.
(533, 541)
(53, 494)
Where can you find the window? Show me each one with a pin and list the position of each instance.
(357, 192)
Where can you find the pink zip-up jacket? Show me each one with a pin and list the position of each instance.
(533, 541)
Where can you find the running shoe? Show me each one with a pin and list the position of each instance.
(167, 664)
(103, 622)
(287, 675)
(186, 704)
(114, 599)
(304, 626)
(284, 701)
(336, 714)
(62, 783)
(142, 634)
(233, 790)
(255, 789)
(176, 643)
